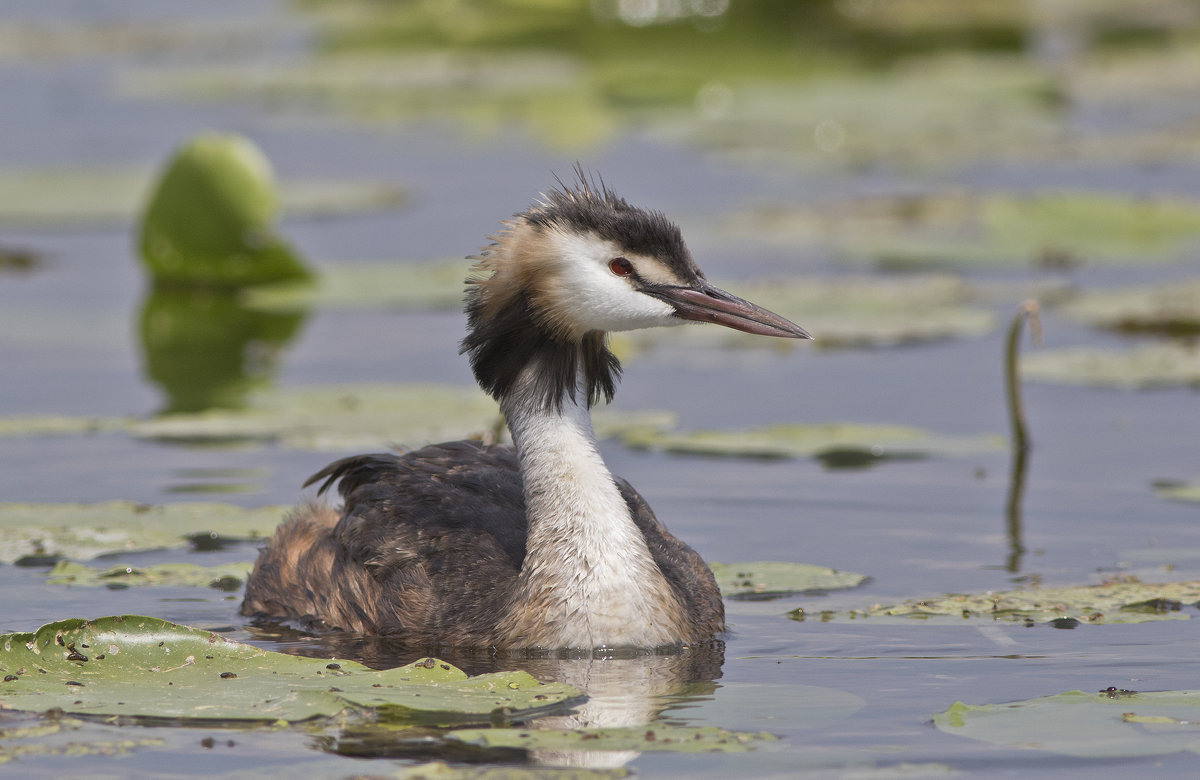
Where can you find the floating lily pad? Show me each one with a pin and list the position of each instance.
(659, 736)
(1109, 724)
(933, 231)
(839, 444)
(85, 531)
(773, 579)
(1172, 309)
(440, 770)
(1150, 366)
(1118, 602)
(65, 198)
(432, 285)
(148, 668)
(358, 417)
(1180, 492)
(225, 576)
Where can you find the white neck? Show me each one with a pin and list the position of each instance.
(588, 579)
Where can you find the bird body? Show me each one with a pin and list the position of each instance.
(535, 545)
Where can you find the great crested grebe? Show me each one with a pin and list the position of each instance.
(535, 545)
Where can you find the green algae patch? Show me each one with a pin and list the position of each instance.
(1145, 367)
(85, 531)
(839, 445)
(1113, 723)
(141, 667)
(224, 577)
(775, 579)
(1116, 602)
(655, 737)
(1171, 309)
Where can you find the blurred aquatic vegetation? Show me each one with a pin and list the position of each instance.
(905, 83)
(210, 219)
(1169, 309)
(1143, 367)
(1047, 230)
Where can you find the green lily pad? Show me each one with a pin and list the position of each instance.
(772, 579)
(1180, 492)
(1171, 309)
(357, 417)
(225, 576)
(148, 668)
(355, 286)
(656, 737)
(440, 770)
(66, 198)
(839, 444)
(848, 312)
(1108, 724)
(85, 531)
(210, 219)
(1150, 366)
(936, 231)
(1117, 602)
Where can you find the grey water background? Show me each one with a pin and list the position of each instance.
(918, 528)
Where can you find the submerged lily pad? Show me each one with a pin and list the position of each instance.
(225, 576)
(1117, 602)
(839, 444)
(148, 668)
(1172, 309)
(85, 531)
(1150, 366)
(1109, 724)
(773, 579)
(659, 736)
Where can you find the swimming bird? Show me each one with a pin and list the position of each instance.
(535, 545)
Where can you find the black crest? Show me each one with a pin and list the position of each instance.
(591, 207)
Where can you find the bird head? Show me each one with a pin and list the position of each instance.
(576, 265)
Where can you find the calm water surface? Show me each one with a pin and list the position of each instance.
(842, 697)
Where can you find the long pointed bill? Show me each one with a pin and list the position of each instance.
(705, 303)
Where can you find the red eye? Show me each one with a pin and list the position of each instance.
(620, 266)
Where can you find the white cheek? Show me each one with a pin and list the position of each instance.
(604, 301)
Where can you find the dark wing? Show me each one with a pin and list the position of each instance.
(441, 530)
(461, 486)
